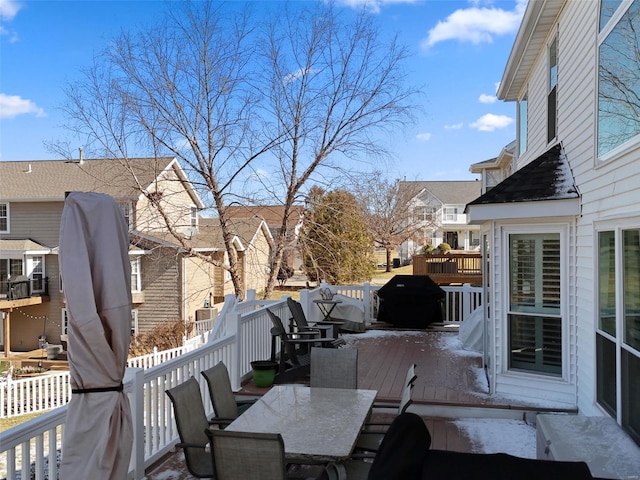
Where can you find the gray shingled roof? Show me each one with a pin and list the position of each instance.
(22, 245)
(450, 192)
(50, 179)
(548, 177)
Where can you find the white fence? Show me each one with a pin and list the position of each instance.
(241, 335)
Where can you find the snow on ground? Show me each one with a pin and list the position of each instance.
(514, 437)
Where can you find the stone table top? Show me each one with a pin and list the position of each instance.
(316, 424)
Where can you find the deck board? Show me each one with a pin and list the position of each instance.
(444, 378)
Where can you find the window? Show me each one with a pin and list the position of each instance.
(134, 322)
(552, 107)
(474, 239)
(450, 214)
(534, 318)
(136, 275)
(424, 214)
(127, 211)
(618, 327)
(194, 217)
(522, 125)
(4, 217)
(618, 76)
(65, 322)
(37, 273)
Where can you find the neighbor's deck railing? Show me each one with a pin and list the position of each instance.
(241, 334)
(450, 267)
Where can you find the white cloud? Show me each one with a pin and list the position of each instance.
(12, 105)
(484, 98)
(455, 126)
(491, 122)
(374, 6)
(9, 9)
(476, 25)
(424, 137)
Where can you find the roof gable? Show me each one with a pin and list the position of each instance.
(448, 192)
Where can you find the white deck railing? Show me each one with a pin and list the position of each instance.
(241, 334)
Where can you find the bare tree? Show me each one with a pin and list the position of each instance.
(335, 89)
(388, 211)
(231, 95)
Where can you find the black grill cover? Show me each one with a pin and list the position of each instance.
(410, 301)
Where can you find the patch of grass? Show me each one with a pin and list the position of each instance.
(381, 274)
(7, 423)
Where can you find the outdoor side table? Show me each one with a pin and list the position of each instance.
(326, 307)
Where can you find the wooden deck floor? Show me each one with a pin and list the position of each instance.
(447, 378)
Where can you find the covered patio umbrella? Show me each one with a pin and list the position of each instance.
(96, 275)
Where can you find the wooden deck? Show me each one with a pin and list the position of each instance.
(448, 380)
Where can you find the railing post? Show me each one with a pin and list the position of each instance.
(304, 301)
(233, 320)
(135, 376)
(366, 299)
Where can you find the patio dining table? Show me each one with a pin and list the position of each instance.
(316, 424)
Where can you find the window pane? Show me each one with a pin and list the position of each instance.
(606, 359)
(631, 273)
(607, 282)
(607, 8)
(631, 394)
(619, 83)
(535, 273)
(535, 343)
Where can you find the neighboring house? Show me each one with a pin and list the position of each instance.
(437, 210)
(273, 215)
(561, 234)
(168, 284)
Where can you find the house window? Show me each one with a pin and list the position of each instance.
(424, 214)
(65, 322)
(474, 239)
(522, 125)
(37, 273)
(127, 211)
(134, 322)
(450, 214)
(136, 275)
(534, 318)
(4, 218)
(194, 217)
(552, 107)
(618, 78)
(618, 328)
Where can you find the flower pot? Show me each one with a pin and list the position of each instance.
(264, 372)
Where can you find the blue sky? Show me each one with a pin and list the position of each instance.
(459, 51)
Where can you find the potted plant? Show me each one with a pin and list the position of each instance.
(264, 372)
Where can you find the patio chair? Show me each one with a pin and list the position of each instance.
(225, 405)
(191, 422)
(334, 368)
(299, 320)
(240, 455)
(373, 432)
(294, 358)
(409, 378)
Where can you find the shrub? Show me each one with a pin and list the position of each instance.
(444, 247)
(427, 249)
(164, 336)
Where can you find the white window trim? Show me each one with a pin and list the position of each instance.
(8, 205)
(31, 271)
(563, 230)
(616, 225)
(136, 261)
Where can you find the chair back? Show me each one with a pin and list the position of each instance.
(334, 367)
(406, 399)
(191, 423)
(220, 391)
(297, 313)
(243, 455)
(411, 375)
